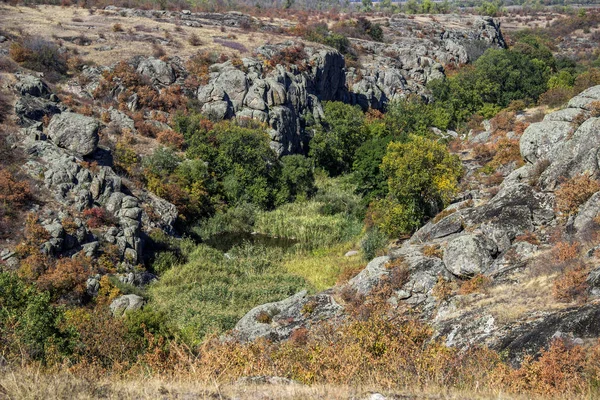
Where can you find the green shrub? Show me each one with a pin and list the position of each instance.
(164, 261)
(367, 175)
(422, 178)
(338, 136)
(297, 178)
(373, 241)
(235, 219)
(28, 321)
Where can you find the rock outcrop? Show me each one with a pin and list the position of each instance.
(288, 96)
(74, 132)
(503, 240)
(66, 158)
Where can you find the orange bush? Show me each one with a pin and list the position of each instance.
(529, 237)
(574, 192)
(565, 251)
(571, 284)
(98, 217)
(559, 370)
(67, 277)
(477, 283)
(14, 193)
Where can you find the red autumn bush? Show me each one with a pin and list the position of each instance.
(98, 217)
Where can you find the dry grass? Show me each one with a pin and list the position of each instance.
(509, 302)
(30, 384)
(126, 42)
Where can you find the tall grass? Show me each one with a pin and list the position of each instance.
(323, 267)
(332, 217)
(304, 222)
(212, 291)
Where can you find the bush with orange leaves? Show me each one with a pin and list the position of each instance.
(14, 193)
(574, 192)
(565, 251)
(560, 370)
(66, 278)
(98, 217)
(171, 138)
(478, 283)
(572, 285)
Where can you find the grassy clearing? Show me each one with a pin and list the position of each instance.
(211, 292)
(305, 223)
(323, 267)
(332, 217)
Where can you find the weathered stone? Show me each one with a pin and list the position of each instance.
(468, 255)
(74, 132)
(369, 277)
(33, 86)
(160, 72)
(126, 303)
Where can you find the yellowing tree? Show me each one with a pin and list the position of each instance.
(422, 177)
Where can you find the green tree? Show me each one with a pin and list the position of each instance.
(337, 137)
(422, 177)
(28, 318)
(426, 6)
(297, 178)
(512, 75)
(414, 116)
(367, 175)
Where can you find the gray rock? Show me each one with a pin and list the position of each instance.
(369, 277)
(33, 86)
(75, 132)
(539, 139)
(121, 120)
(93, 285)
(351, 253)
(578, 155)
(265, 380)
(587, 213)
(278, 320)
(29, 108)
(468, 255)
(160, 72)
(126, 303)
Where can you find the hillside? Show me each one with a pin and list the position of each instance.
(224, 205)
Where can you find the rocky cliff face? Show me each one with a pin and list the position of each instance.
(508, 240)
(416, 52)
(77, 174)
(284, 84)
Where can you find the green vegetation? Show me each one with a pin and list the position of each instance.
(211, 292)
(422, 177)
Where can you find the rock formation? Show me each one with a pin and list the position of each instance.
(484, 237)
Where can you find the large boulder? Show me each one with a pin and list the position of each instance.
(278, 320)
(540, 139)
(160, 72)
(468, 255)
(370, 277)
(126, 303)
(75, 132)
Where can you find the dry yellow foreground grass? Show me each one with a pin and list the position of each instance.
(134, 35)
(30, 384)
